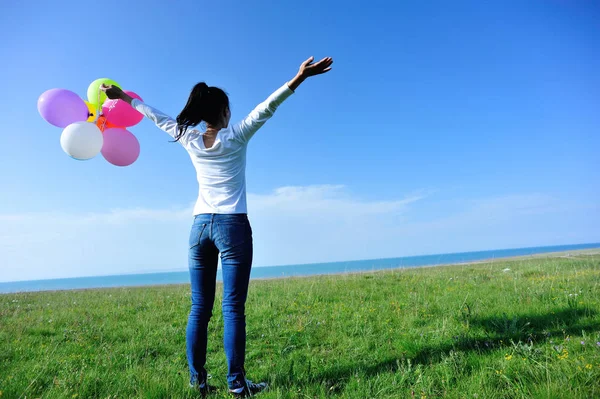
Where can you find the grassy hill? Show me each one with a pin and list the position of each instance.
(526, 328)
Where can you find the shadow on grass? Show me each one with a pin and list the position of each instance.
(493, 333)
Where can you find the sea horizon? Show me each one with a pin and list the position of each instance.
(293, 270)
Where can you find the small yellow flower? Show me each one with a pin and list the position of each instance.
(588, 366)
(508, 357)
(564, 355)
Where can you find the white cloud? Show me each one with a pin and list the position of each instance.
(115, 216)
(291, 225)
(326, 200)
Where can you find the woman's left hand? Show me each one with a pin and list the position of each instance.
(310, 68)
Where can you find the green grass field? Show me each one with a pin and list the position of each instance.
(467, 331)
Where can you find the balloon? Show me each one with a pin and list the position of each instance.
(95, 95)
(81, 140)
(121, 147)
(120, 113)
(103, 124)
(91, 111)
(61, 107)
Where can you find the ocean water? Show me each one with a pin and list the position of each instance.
(182, 277)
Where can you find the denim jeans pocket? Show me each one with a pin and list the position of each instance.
(235, 233)
(196, 234)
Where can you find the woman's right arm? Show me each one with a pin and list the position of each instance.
(160, 119)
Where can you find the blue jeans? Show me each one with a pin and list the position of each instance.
(231, 236)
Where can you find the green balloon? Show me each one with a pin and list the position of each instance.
(95, 96)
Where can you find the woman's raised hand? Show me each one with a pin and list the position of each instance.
(310, 68)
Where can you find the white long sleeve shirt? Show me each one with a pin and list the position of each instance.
(221, 169)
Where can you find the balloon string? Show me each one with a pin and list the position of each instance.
(98, 106)
(110, 107)
(98, 109)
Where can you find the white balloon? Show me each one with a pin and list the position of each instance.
(82, 140)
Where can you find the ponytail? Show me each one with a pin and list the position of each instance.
(205, 104)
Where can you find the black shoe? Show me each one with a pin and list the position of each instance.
(249, 389)
(202, 387)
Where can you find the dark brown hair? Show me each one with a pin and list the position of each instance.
(205, 104)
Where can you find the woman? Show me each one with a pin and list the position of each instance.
(221, 224)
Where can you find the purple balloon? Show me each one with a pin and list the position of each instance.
(61, 107)
(121, 147)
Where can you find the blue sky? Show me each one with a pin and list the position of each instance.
(444, 127)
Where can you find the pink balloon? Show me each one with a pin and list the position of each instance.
(120, 147)
(119, 113)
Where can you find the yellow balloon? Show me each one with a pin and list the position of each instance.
(92, 112)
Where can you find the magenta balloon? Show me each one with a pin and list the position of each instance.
(119, 113)
(62, 107)
(120, 147)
